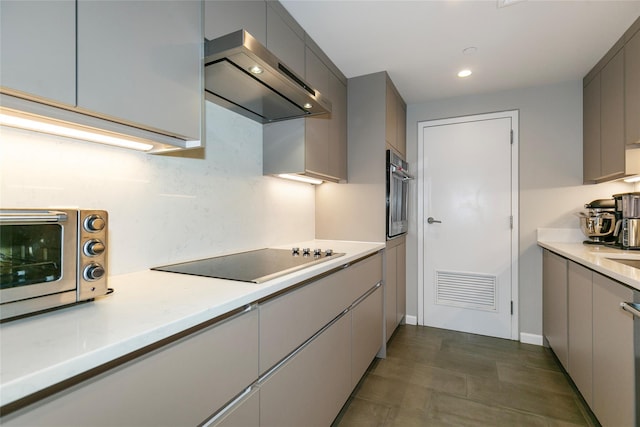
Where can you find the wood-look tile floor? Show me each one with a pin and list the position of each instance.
(436, 377)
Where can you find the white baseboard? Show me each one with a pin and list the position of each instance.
(410, 320)
(534, 339)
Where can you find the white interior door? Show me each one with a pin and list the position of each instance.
(469, 194)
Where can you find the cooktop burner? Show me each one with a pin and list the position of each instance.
(254, 266)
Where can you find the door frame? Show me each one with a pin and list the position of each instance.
(515, 192)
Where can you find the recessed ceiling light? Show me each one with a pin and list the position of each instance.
(469, 50)
(464, 73)
(307, 105)
(256, 69)
(505, 3)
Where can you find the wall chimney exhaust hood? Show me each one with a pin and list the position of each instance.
(243, 76)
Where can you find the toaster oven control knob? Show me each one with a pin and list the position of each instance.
(93, 272)
(94, 223)
(93, 247)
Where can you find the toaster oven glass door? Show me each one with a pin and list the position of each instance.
(37, 254)
(30, 254)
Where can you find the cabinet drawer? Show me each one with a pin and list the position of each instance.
(289, 320)
(363, 275)
(180, 384)
(366, 334)
(311, 387)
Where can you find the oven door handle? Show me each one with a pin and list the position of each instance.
(8, 216)
(401, 173)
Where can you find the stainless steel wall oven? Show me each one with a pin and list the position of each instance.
(50, 258)
(398, 178)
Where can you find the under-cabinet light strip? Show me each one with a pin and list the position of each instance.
(300, 178)
(69, 130)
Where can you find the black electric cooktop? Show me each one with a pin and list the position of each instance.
(254, 266)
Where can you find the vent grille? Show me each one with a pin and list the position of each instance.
(466, 290)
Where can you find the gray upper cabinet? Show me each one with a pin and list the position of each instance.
(285, 38)
(396, 118)
(591, 130)
(632, 90)
(224, 17)
(314, 146)
(338, 128)
(317, 128)
(140, 63)
(611, 112)
(612, 149)
(39, 59)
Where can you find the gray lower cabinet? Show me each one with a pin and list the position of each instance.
(180, 384)
(599, 341)
(580, 318)
(614, 392)
(316, 342)
(401, 276)
(366, 332)
(244, 412)
(554, 300)
(287, 321)
(140, 63)
(312, 386)
(391, 291)
(396, 287)
(39, 59)
(293, 361)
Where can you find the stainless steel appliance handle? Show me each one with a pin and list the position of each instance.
(431, 220)
(633, 308)
(398, 171)
(35, 216)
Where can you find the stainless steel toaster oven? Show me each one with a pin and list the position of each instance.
(50, 258)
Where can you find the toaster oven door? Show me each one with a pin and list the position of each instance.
(37, 256)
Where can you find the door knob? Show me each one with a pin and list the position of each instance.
(430, 220)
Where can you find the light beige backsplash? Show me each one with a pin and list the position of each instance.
(163, 209)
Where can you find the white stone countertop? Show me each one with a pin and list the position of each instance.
(596, 257)
(147, 306)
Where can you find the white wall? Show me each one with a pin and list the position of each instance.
(551, 189)
(163, 209)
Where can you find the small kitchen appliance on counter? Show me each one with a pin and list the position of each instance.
(598, 221)
(628, 209)
(253, 266)
(50, 258)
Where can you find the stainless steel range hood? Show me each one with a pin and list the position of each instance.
(243, 76)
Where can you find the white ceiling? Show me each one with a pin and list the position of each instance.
(420, 43)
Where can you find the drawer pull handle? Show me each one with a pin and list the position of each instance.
(633, 308)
